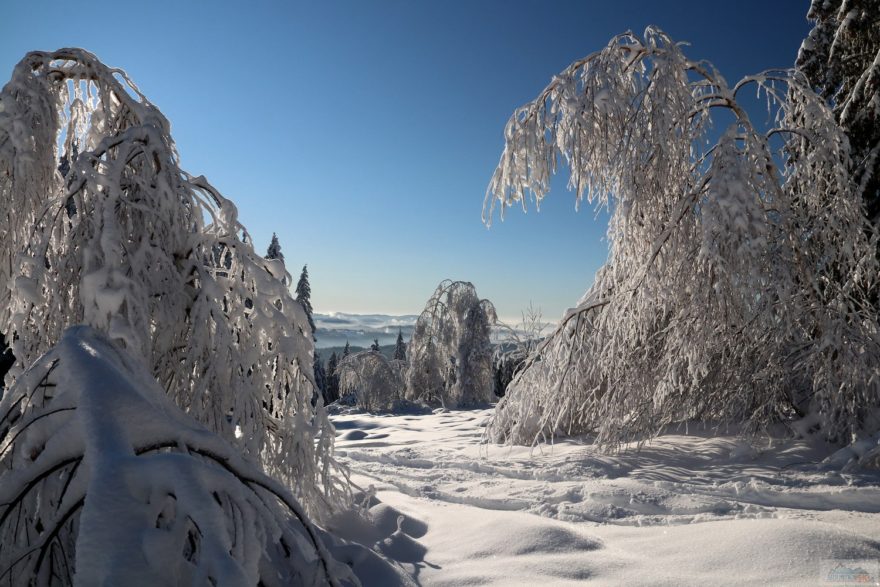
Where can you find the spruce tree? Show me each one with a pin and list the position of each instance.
(347, 350)
(320, 377)
(841, 60)
(303, 296)
(400, 347)
(274, 250)
(331, 389)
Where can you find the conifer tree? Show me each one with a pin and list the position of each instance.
(347, 350)
(304, 295)
(400, 347)
(331, 390)
(274, 250)
(375, 346)
(841, 60)
(320, 377)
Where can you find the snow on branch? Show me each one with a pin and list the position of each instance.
(118, 237)
(106, 481)
(739, 269)
(376, 383)
(450, 355)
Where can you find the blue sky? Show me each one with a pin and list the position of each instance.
(365, 133)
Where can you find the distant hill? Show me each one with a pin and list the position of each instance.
(325, 352)
(359, 330)
(334, 329)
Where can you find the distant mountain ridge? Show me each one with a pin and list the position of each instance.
(359, 330)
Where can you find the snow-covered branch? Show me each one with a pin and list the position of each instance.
(106, 481)
(122, 239)
(738, 270)
(450, 355)
(376, 382)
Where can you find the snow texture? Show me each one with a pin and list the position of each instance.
(693, 507)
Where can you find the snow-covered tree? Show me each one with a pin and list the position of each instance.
(156, 259)
(375, 382)
(304, 297)
(450, 354)
(320, 376)
(6, 360)
(841, 60)
(274, 250)
(739, 268)
(518, 344)
(400, 347)
(106, 482)
(331, 391)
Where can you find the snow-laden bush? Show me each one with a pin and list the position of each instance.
(127, 242)
(375, 382)
(450, 355)
(106, 482)
(739, 269)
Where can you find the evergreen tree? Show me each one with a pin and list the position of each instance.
(320, 378)
(841, 60)
(400, 347)
(375, 346)
(347, 350)
(303, 296)
(274, 250)
(331, 389)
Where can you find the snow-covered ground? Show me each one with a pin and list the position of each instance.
(690, 508)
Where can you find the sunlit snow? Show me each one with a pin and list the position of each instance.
(691, 508)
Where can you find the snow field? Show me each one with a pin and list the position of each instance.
(691, 508)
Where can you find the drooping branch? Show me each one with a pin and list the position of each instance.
(110, 510)
(121, 238)
(450, 355)
(725, 254)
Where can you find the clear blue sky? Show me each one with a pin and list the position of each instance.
(365, 133)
